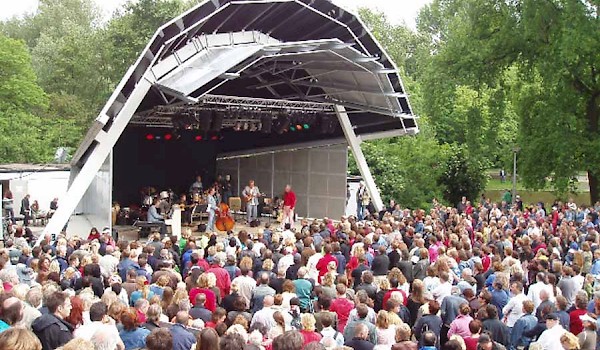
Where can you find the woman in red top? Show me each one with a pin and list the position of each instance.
(94, 234)
(203, 287)
(575, 323)
(475, 327)
(308, 329)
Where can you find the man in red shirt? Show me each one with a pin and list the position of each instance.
(325, 260)
(342, 307)
(289, 203)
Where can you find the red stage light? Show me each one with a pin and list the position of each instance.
(149, 137)
(214, 137)
(168, 137)
(298, 127)
(198, 138)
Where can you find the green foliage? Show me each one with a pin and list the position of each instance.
(463, 175)
(20, 99)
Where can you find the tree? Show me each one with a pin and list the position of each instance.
(463, 176)
(20, 99)
(552, 44)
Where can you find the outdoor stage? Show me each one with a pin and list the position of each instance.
(277, 91)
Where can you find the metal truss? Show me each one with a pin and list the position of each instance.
(232, 106)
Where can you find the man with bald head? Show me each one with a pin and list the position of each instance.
(545, 303)
(260, 292)
(264, 316)
(360, 342)
(182, 338)
(11, 312)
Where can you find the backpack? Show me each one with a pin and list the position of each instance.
(296, 323)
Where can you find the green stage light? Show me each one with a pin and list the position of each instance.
(306, 126)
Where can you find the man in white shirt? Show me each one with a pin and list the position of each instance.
(550, 338)
(99, 317)
(444, 289)
(246, 285)
(108, 262)
(264, 316)
(536, 288)
(513, 310)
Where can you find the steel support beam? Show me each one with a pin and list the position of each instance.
(95, 160)
(359, 156)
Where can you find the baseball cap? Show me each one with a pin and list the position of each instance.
(552, 316)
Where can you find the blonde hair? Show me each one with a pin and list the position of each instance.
(19, 339)
(569, 341)
(328, 279)
(142, 286)
(308, 322)
(383, 319)
(78, 344)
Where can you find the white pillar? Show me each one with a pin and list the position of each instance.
(354, 143)
(106, 142)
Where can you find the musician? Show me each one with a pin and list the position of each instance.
(186, 210)
(25, 210)
(226, 188)
(211, 209)
(251, 193)
(197, 186)
(289, 204)
(155, 218)
(164, 206)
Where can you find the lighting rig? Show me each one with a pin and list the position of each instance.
(212, 114)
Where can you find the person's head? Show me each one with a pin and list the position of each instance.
(361, 331)
(231, 341)
(362, 311)
(528, 306)
(59, 304)
(464, 309)
(98, 311)
(308, 322)
(154, 312)
(207, 339)
(588, 322)
(129, 319)
(11, 310)
(475, 326)
(569, 341)
(485, 342)
(429, 338)
(383, 319)
(551, 320)
(581, 300)
(182, 318)
(160, 339)
(268, 301)
(290, 340)
(403, 333)
(104, 339)
(19, 339)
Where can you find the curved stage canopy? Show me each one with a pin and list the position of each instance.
(247, 60)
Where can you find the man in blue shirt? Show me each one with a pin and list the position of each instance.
(523, 324)
(182, 338)
(155, 218)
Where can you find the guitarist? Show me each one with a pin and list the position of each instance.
(251, 194)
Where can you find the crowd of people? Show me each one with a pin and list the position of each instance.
(487, 276)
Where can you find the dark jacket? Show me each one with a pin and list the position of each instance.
(359, 344)
(52, 331)
(420, 269)
(407, 269)
(497, 330)
(380, 265)
(428, 323)
(200, 312)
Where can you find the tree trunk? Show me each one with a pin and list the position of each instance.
(593, 116)
(593, 179)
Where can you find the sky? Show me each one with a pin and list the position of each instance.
(398, 11)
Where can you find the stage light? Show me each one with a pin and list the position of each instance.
(306, 126)
(282, 123)
(237, 126)
(292, 128)
(168, 137)
(246, 126)
(253, 126)
(198, 138)
(298, 127)
(214, 138)
(149, 137)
